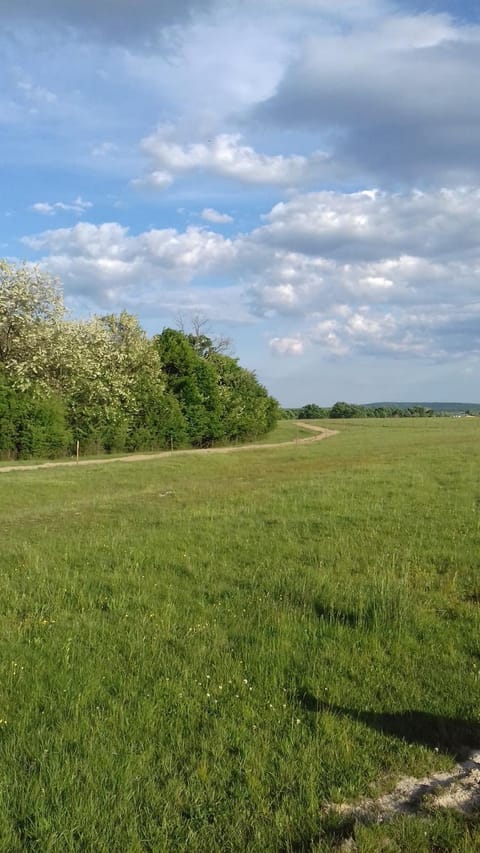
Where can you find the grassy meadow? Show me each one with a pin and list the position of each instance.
(202, 652)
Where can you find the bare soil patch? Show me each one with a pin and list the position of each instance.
(458, 789)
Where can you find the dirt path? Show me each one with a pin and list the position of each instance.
(320, 433)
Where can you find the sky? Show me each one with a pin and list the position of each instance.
(303, 174)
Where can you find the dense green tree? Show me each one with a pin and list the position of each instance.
(218, 398)
(288, 414)
(311, 410)
(347, 410)
(32, 424)
(192, 379)
(247, 409)
(8, 417)
(41, 429)
(158, 423)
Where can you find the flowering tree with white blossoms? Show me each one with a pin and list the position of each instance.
(31, 322)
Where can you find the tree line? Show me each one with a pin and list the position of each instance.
(352, 410)
(103, 382)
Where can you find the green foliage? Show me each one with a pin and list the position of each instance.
(192, 380)
(311, 411)
(352, 410)
(289, 414)
(42, 429)
(32, 425)
(219, 399)
(346, 410)
(157, 423)
(247, 409)
(8, 419)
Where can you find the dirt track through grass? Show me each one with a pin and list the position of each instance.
(320, 433)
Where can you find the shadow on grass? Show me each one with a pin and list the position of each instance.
(333, 615)
(387, 608)
(454, 736)
(339, 833)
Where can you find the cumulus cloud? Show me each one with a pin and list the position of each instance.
(374, 224)
(209, 214)
(224, 156)
(287, 346)
(194, 250)
(371, 273)
(398, 98)
(156, 180)
(47, 208)
(432, 332)
(107, 265)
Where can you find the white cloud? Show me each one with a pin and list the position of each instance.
(373, 224)
(287, 346)
(215, 216)
(224, 156)
(43, 207)
(330, 335)
(104, 266)
(281, 298)
(396, 333)
(156, 180)
(46, 208)
(371, 272)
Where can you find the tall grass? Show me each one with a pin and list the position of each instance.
(200, 653)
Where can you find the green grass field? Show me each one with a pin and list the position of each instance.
(202, 652)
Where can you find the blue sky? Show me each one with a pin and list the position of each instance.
(306, 179)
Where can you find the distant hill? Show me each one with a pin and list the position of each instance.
(435, 407)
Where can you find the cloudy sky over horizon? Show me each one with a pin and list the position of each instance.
(307, 179)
